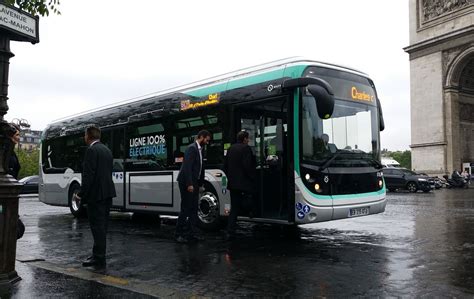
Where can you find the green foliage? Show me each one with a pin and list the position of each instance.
(29, 162)
(36, 7)
(404, 158)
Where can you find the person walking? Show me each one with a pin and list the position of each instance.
(97, 192)
(240, 168)
(190, 178)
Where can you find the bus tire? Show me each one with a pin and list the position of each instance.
(77, 210)
(209, 210)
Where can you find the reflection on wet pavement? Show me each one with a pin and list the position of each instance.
(421, 246)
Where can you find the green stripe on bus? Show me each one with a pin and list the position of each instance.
(348, 196)
(292, 71)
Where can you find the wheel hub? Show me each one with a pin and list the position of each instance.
(75, 202)
(208, 208)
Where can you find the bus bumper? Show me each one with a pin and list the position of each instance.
(320, 214)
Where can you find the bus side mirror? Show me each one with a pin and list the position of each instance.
(381, 121)
(324, 100)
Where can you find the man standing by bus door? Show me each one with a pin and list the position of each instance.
(240, 169)
(190, 178)
(97, 192)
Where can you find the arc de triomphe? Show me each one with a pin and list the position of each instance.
(441, 84)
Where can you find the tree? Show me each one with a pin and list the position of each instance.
(36, 7)
(404, 158)
(29, 162)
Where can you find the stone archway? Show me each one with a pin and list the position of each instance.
(441, 93)
(459, 110)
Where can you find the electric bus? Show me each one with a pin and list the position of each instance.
(314, 130)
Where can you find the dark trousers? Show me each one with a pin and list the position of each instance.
(98, 213)
(187, 219)
(236, 201)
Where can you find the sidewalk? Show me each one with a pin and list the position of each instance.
(38, 282)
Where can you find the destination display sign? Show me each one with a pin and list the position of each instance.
(349, 90)
(23, 25)
(362, 94)
(346, 86)
(211, 99)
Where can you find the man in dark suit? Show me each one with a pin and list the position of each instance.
(240, 169)
(97, 192)
(190, 178)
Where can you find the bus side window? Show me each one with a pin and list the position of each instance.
(64, 153)
(185, 131)
(178, 155)
(118, 149)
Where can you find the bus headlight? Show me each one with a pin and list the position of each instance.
(317, 188)
(380, 183)
(308, 178)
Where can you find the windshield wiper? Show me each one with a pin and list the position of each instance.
(328, 161)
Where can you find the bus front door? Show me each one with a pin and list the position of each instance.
(268, 142)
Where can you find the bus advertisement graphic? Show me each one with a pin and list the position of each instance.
(153, 145)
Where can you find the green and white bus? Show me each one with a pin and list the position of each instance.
(314, 129)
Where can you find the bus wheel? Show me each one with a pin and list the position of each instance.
(77, 210)
(208, 211)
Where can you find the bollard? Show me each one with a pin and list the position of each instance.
(9, 189)
(8, 224)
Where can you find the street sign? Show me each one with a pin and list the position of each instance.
(22, 25)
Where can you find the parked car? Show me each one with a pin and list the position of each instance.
(402, 178)
(435, 181)
(30, 185)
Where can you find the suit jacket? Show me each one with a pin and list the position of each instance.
(240, 168)
(189, 173)
(97, 183)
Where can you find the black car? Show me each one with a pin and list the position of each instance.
(30, 185)
(402, 178)
(434, 181)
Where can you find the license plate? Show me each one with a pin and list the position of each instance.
(359, 212)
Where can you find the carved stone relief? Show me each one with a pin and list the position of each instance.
(448, 58)
(436, 8)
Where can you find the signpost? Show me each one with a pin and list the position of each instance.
(15, 25)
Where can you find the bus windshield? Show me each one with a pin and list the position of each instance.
(348, 138)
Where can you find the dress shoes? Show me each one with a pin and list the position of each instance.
(94, 262)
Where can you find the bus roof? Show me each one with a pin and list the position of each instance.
(289, 67)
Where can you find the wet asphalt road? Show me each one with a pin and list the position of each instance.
(422, 246)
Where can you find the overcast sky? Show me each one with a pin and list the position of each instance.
(100, 52)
